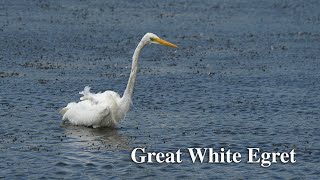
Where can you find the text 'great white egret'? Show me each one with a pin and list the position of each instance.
(108, 108)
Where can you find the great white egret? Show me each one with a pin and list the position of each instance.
(108, 108)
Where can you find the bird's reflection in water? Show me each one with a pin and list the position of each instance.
(96, 139)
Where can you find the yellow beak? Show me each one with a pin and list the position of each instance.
(164, 42)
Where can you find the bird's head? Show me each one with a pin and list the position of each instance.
(152, 38)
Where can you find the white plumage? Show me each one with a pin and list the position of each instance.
(101, 109)
(108, 108)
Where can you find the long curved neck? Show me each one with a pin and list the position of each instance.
(127, 95)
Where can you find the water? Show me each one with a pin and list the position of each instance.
(245, 75)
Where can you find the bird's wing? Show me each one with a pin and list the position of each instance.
(89, 111)
(92, 108)
(85, 113)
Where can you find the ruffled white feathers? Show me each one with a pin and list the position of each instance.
(101, 109)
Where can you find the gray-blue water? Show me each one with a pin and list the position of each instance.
(246, 74)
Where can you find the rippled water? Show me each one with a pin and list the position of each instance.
(245, 75)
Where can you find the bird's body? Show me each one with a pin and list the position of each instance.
(96, 110)
(107, 108)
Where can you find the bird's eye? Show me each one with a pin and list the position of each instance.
(152, 39)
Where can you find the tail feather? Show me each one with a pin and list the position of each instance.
(63, 111)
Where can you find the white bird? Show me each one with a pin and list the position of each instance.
(108, 108)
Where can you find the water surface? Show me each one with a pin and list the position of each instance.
(245, 75)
